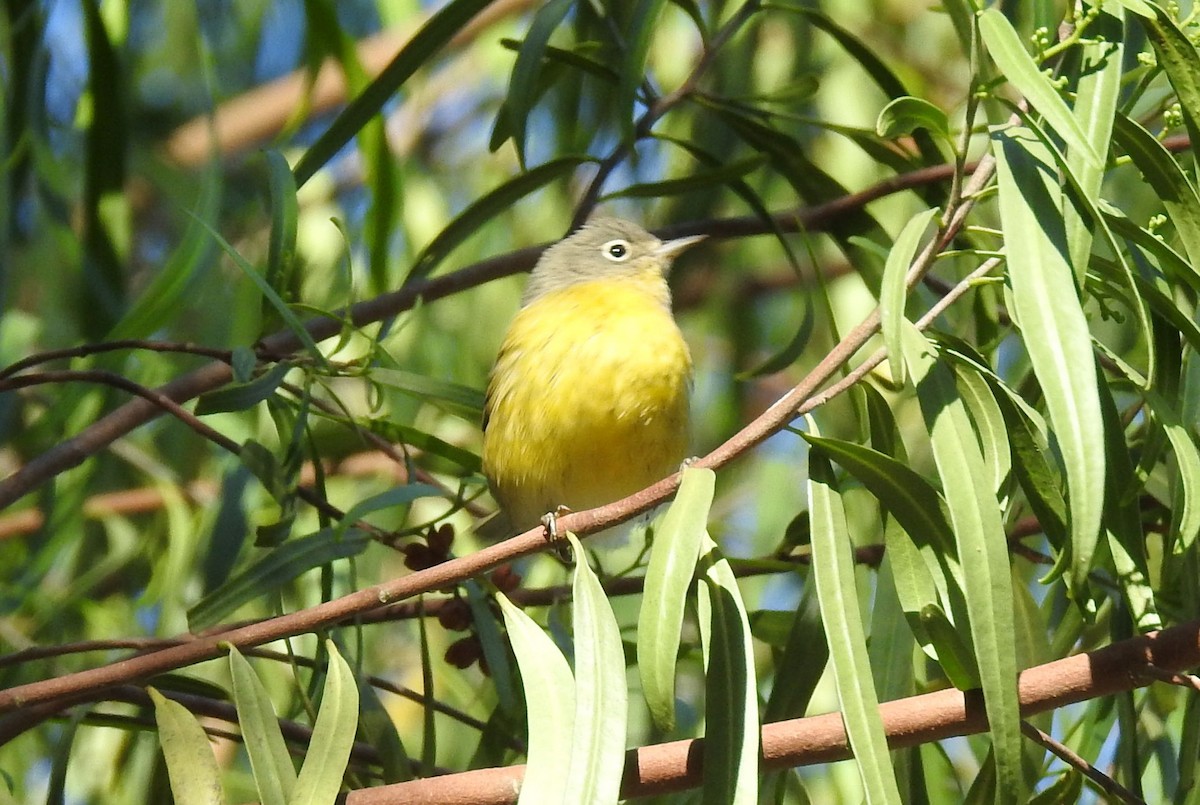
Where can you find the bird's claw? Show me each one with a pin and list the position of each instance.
(557, 541)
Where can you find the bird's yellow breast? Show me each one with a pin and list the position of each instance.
(588, 401)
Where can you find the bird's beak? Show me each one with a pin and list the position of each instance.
(672, 248)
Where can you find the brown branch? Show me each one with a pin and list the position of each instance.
(587, 522)
(677, 766)
(84, 350)
(1069, 756)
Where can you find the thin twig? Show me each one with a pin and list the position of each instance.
(660, 107)
(1106, 784)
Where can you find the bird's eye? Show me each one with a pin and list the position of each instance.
(616, 250)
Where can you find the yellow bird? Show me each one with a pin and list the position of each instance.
(588, 401)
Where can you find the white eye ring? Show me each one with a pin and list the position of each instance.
(616, 250)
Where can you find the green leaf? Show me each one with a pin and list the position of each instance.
(833, 574)
(281, 249)
(1173, 188)
(639, 32)
(1178, 57)
(868, 58)
(598, 745)
(550, 706)
(900, 490)
(527, 69)
(159, 302)
(1055, 332)
(1123, 522)
(802, 662)
(293, 324)
(1019, 68)
(459, 399)
(982, 550)
(274, 774)
(892, 292)
(483, 209)
(890, 649)
(731, 730)
(191, 765)
(270, 572)
(240, 396)
(416, 53)
(989, 424)
(672, 565)
(376, 728)
(324, 765)
(495, 648)
(390, 498)
(1096, 97)
(1185, 520)
(907, 114)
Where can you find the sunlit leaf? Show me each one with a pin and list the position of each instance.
(191, 765)
(550, 706)
(320, 776)
(673, 559)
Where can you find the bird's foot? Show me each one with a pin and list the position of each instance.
(557, 541)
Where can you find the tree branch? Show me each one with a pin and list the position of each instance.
(677, 766)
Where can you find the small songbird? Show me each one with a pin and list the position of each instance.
(588, 401)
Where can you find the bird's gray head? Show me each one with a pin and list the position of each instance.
(602, 248)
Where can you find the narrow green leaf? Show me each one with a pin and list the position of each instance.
(954, 653)
(1172, 186)
(324, 765)
(191, 765)
(1096, 97)
(802, 662)
(982, 550)
(278, 567)
(876, 68)
(1185, 520)
(483, 209)
(390, 498)
(731, 731)
(639, 33)
(550, 706)
(281, 248)
(455, 397)
(905, 115)
(495, 648)
(528, 67)
(892, 292)
(293, 323)
(1055, 332)
(159, 302)
(672, 565)
(598, 745)
(377, 729)
(1178, 57)
(985, 412)
(1123, 522)
(890, 648)
(833, 573)
(1015, 63)
(274, 774)
(902, 491)
(240, 396)
(416, 53)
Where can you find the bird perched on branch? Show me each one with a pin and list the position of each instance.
(588, 401)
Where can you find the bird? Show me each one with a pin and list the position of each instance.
(588, 401)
